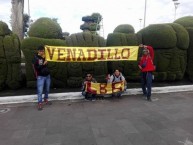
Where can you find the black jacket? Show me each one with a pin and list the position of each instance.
(40, 69)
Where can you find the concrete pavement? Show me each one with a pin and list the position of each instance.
(168, 120)
(77, 95)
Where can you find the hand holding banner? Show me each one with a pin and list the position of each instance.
(104, 88)
(90, 54)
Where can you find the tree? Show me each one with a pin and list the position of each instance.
(91, 23)
(17, 17)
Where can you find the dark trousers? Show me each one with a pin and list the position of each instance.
(146, 82)
(89, 96)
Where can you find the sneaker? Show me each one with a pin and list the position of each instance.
(149, 99)
(144, 98)
(40, 106)
(47, 102)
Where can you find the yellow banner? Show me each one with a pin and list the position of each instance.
(90, 54)
(103, 88)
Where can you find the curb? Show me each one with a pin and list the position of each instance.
(77, 95)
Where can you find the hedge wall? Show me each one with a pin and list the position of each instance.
(129, 68)
(159, 36)
(4, 30)
(10, 60)
(170, 42)
(187, 22)
(77, 71)
(124, 28)
(45, 28)
(58, 70)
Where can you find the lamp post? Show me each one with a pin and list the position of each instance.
(145, 13)
(176, 3)
(140, 23)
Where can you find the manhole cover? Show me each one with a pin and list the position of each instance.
(4, 110)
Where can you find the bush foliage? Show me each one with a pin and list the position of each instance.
(4, 30)
(45, 28)
(10, 59)
(77, 70)
(187, 22)
(124, 28)
(170, 42)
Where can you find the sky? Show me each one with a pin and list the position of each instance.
(114, 12)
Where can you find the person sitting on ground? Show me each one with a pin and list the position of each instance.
(117, 77)
(88, 95)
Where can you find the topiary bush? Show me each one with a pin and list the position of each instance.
(4, 29)
(13, 57)
(189, 69)
(45, 28)
(187, 23)
(76, 69)
(124, 28)
(170, 42)
(156, 34)
(10, 59)
(129, 68)
(58, 70)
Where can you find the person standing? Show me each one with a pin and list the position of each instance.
(42, 75)
(147, 67)
(88, 95)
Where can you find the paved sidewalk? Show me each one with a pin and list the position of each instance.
(168, 120)
(68, 96)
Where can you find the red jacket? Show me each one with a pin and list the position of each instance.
(146, 61)
(151, 52)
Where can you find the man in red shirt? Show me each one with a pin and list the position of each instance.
(147, 67)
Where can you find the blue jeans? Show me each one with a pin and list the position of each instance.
(43, 83)
(146, 81)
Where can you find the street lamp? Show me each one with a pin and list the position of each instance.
(176, 3)
(140, 23)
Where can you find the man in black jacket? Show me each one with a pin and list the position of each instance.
(42, 75)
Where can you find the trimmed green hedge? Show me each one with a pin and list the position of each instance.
(4, 30)
(90, 27)
(182, 36)
(10, 59)
(159, 36)
(189, 69)
(170, 42)
(12, 48)
(124, 28)
(120, 39)
(76, 70)
(129, 68)
(3, 73)
(85, 39)
(186, 21)
(2, 52)
(45, 28)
